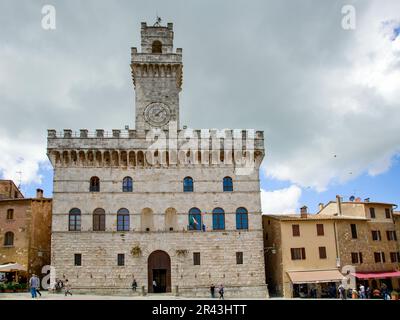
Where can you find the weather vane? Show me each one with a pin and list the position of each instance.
(158, 22)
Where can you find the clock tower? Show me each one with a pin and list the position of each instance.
(157, 77)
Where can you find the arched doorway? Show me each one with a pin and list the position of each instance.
(159, 270)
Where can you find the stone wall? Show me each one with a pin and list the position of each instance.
(274, 271)
(366, 245)
(19, 226)
(99, 271)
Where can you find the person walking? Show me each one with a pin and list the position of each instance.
(342, 292)
(33, 284)
(154, 286)
(67, 288)
(368, 293)
(212, 290)
(221, 292)
(362, 292)
(134, 285)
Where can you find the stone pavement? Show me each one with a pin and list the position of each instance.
(47, 296)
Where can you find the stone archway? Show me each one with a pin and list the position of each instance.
(159, 269)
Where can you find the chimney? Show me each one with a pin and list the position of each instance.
(320, 206)
(303, 212)
(39, 193)
(339, 204)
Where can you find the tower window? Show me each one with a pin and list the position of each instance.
(188, 184)
(127, 184)
(227, 183)
(239, 257)
(242, 220)
(94, 184)
(99, 220)
(156, 47)
(195, 222)
(196, 258)
(77, 259)
(121, 259)
(218, 216)
(123, 220)
(74, 219)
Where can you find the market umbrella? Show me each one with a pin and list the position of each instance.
(11, 267)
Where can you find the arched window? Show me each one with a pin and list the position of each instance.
(195, 222)
(9, 239)
(242, 219)
(127, 184)
(123, 220)
(188, 184)
(10, 214)
(99, 220)
(156, 47)
(94, 184)
(218, 215)
(228, 184)
(75, 220)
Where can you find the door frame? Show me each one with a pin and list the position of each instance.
(158, 259)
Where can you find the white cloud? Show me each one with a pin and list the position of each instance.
(21, 155)
(356, 116)
(281, 201)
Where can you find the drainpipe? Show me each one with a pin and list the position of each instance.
(338, 263)
(339, 205)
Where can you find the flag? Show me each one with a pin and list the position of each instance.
(193, 220)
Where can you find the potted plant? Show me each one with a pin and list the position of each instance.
(9, 287)
(24, 287)
(2, 287)
(395, 295)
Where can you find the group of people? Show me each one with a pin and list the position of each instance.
(58, 286)
(364, 293)
(221, 291)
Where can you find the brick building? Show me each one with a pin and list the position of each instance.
(25, 228)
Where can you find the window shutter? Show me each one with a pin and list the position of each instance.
(303, 253)
(361, 257)
(292, 253)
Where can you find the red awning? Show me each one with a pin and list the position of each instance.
(377, 275)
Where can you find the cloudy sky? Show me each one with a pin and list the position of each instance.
(327, 98)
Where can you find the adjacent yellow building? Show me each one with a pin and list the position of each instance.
(310, 254)
(300, 255)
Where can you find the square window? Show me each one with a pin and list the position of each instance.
(121, 259)
(239, 257)
(196, 258)
(77, 259)
(296, 230)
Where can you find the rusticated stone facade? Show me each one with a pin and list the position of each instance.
(160, 241)
(366, 217)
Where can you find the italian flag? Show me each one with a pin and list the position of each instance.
(193, 220)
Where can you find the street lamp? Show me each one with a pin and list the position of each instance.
(270, 249)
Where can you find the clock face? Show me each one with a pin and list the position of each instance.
(157, 114)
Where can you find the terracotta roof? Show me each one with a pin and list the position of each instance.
(310, 217)
(366, 202)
